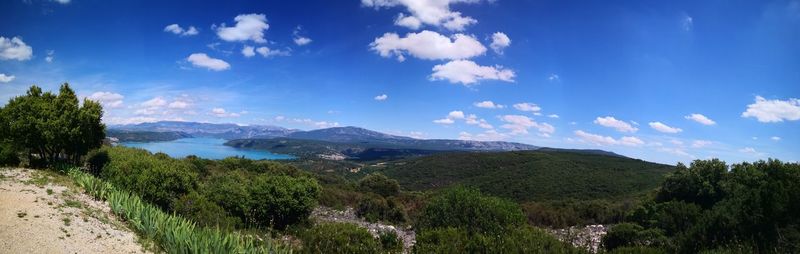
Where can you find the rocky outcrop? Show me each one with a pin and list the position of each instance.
(325, 214)
(588, 237)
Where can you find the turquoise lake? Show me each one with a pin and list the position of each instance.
(208, 148)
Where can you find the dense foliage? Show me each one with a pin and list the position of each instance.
(230, 193)
(531, 175)
(173, 233)
(462, 220)
(708, 206)
(145, 136)
(340, 238)
(51, 128)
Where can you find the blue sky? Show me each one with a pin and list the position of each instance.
(624, 76)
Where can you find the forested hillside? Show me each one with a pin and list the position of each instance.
(530, 175)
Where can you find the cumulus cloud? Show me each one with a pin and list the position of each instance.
(553, 116)
(248, 27)
(612, 122)
(155, 102)
(771, 111)
(499, 42)
(179, 104)
(248, 51)
(605, 140)
(472, 119)
(433, 13)
(751, 151)
(14, 49)
(381, 97)
(177, 29)
(299, 39)
(107, 99)
(488, 104)
(221, 112)
(267, 52)
(700, 119)
(6, 78)
(519, 124)
(775, 138)
(664, 128)
(701, 143)
(203, 60)
(428, 45)
(444, 121)
(468, 72)
(527, 107)
(676, 151)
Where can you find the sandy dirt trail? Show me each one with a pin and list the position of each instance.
(43, 212)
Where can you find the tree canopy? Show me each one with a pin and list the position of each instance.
(50, 128)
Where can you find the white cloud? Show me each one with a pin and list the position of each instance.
(605, 140)
(553, 116)
(751, 151)
(488, 104)
(62, 1)
(14, 49)
(519, 124)
(49, 57)
(700, 119)
(203, 60)
(107, 99)
(5, 78)
(221, 112)
(770, 111)
(155, 102)
(687, 22)
(177, 29)
(381, 97)
(775, 138)
(468, 72)
(298, 39)
(676, 151)
(499, 42)
(179, 104)
(267, 52)
(472, 119)
(456, 115)
(612, 122)
(488, 135)
(676, 142)
(701, 143)
(248, 51)
(428, 45)
(527, 107)
(553, 77)
(444, 121)
(306, 121)
(664, 128)
(248, 27)
(433, 13)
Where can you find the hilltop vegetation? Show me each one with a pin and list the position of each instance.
(530, 175)
(145, 136)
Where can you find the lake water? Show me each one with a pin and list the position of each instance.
(208, 148)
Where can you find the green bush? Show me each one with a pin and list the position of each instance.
(523, 239)
(390, 242)
(379, 184)
(281, 200)
(376, 208)
(205, 213)
(96, 160)
(172, 233)
(158, 179)
(8, 156)
(461, 207)
(637, 250)
(629, 234)
(339, 238)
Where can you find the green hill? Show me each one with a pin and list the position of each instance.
(530, 175)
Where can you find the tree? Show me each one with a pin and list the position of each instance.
(462, 207)
(379, 184)
(52, 128)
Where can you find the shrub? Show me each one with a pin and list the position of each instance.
(379, 184)
(629, 234)
(96, 160)
(339, 238)
(281, 200)
(390, 242)
(376, 208)
(523, 239)
(461, 207)
(8, 157)
(197, 208)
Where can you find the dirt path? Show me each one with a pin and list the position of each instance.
(41, 212)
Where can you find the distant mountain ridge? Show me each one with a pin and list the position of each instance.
(344, 140)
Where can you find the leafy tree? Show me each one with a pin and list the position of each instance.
(281, 200)
(52, 128)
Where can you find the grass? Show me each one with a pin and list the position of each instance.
(66, 221)
(172, 233)
(49, 191)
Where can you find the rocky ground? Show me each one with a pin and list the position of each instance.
(42, 212)
(325, 214)
(588, 237)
